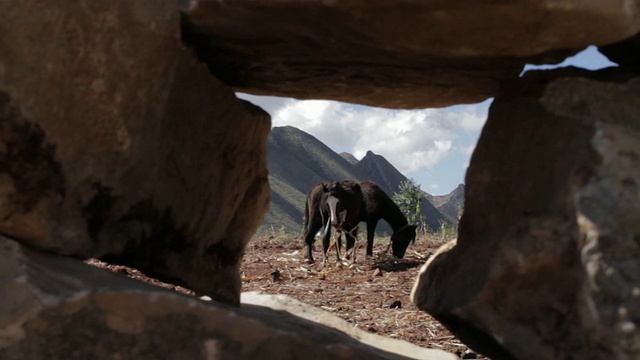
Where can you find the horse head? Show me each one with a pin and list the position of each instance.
(344, 199)
(337, 212)
(401, 239)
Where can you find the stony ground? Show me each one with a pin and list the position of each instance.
(372, 294)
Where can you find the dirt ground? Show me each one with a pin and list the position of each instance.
(372, 294)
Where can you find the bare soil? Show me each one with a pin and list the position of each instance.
(372, 294)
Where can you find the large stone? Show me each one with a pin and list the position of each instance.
(625, 53)
(405, 54)
(115, 142)
(546, 264)
(61, 308)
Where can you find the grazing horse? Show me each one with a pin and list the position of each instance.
(376, 205)
(334, 204)
(344, 202)
(315, 214)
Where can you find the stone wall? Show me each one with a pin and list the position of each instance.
(546, 263)
(396, 54)
(121, 138)
(118, 144)
(63, 309)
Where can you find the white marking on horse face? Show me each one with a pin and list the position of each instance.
(332, 202)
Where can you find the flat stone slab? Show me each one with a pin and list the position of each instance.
(305, 311)
(55, 307)
(400, 54)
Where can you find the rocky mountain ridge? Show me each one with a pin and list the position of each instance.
(297, 161)
(451, 204)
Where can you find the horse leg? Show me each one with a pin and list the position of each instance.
(310, 238)
(326, 242)
(335, 243)
(309, 243)
(388, 247)
(349, 248)
(338, 242)
(353, 248)
(371, 230)
(352, 236)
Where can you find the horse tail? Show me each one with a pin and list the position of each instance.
(305, 225)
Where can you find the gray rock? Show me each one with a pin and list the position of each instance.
(403, 54)
(302, 310)
(116, 143)
(60, 308)
(625, 53)
(546, 264)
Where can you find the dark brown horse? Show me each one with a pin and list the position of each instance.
(376, 205)
(336, 205)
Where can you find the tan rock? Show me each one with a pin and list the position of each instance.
(546, 264)
(625, 53)
(117, 142)
(60, 308)
(123, 146)
(402, 54)
(384, 344)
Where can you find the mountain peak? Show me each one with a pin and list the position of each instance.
(380, 170)
(349, 157)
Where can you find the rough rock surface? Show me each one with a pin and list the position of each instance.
(546, 265)
(404, 54)
(297, 308)
(61, 308)
(116, 143)
(625, 53)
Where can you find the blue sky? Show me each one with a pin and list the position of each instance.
(432, 146)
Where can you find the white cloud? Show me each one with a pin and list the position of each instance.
(414, 141)
(269, 103)
(410, 139)
(330, 121)
(471, 118)
(467, 150)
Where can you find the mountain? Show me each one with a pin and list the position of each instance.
(297, 161)
(451, 204)
(379, 170)
(349, 157)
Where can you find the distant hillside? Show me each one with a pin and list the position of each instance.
(451, 204)
(300, 160)
(297, 161)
